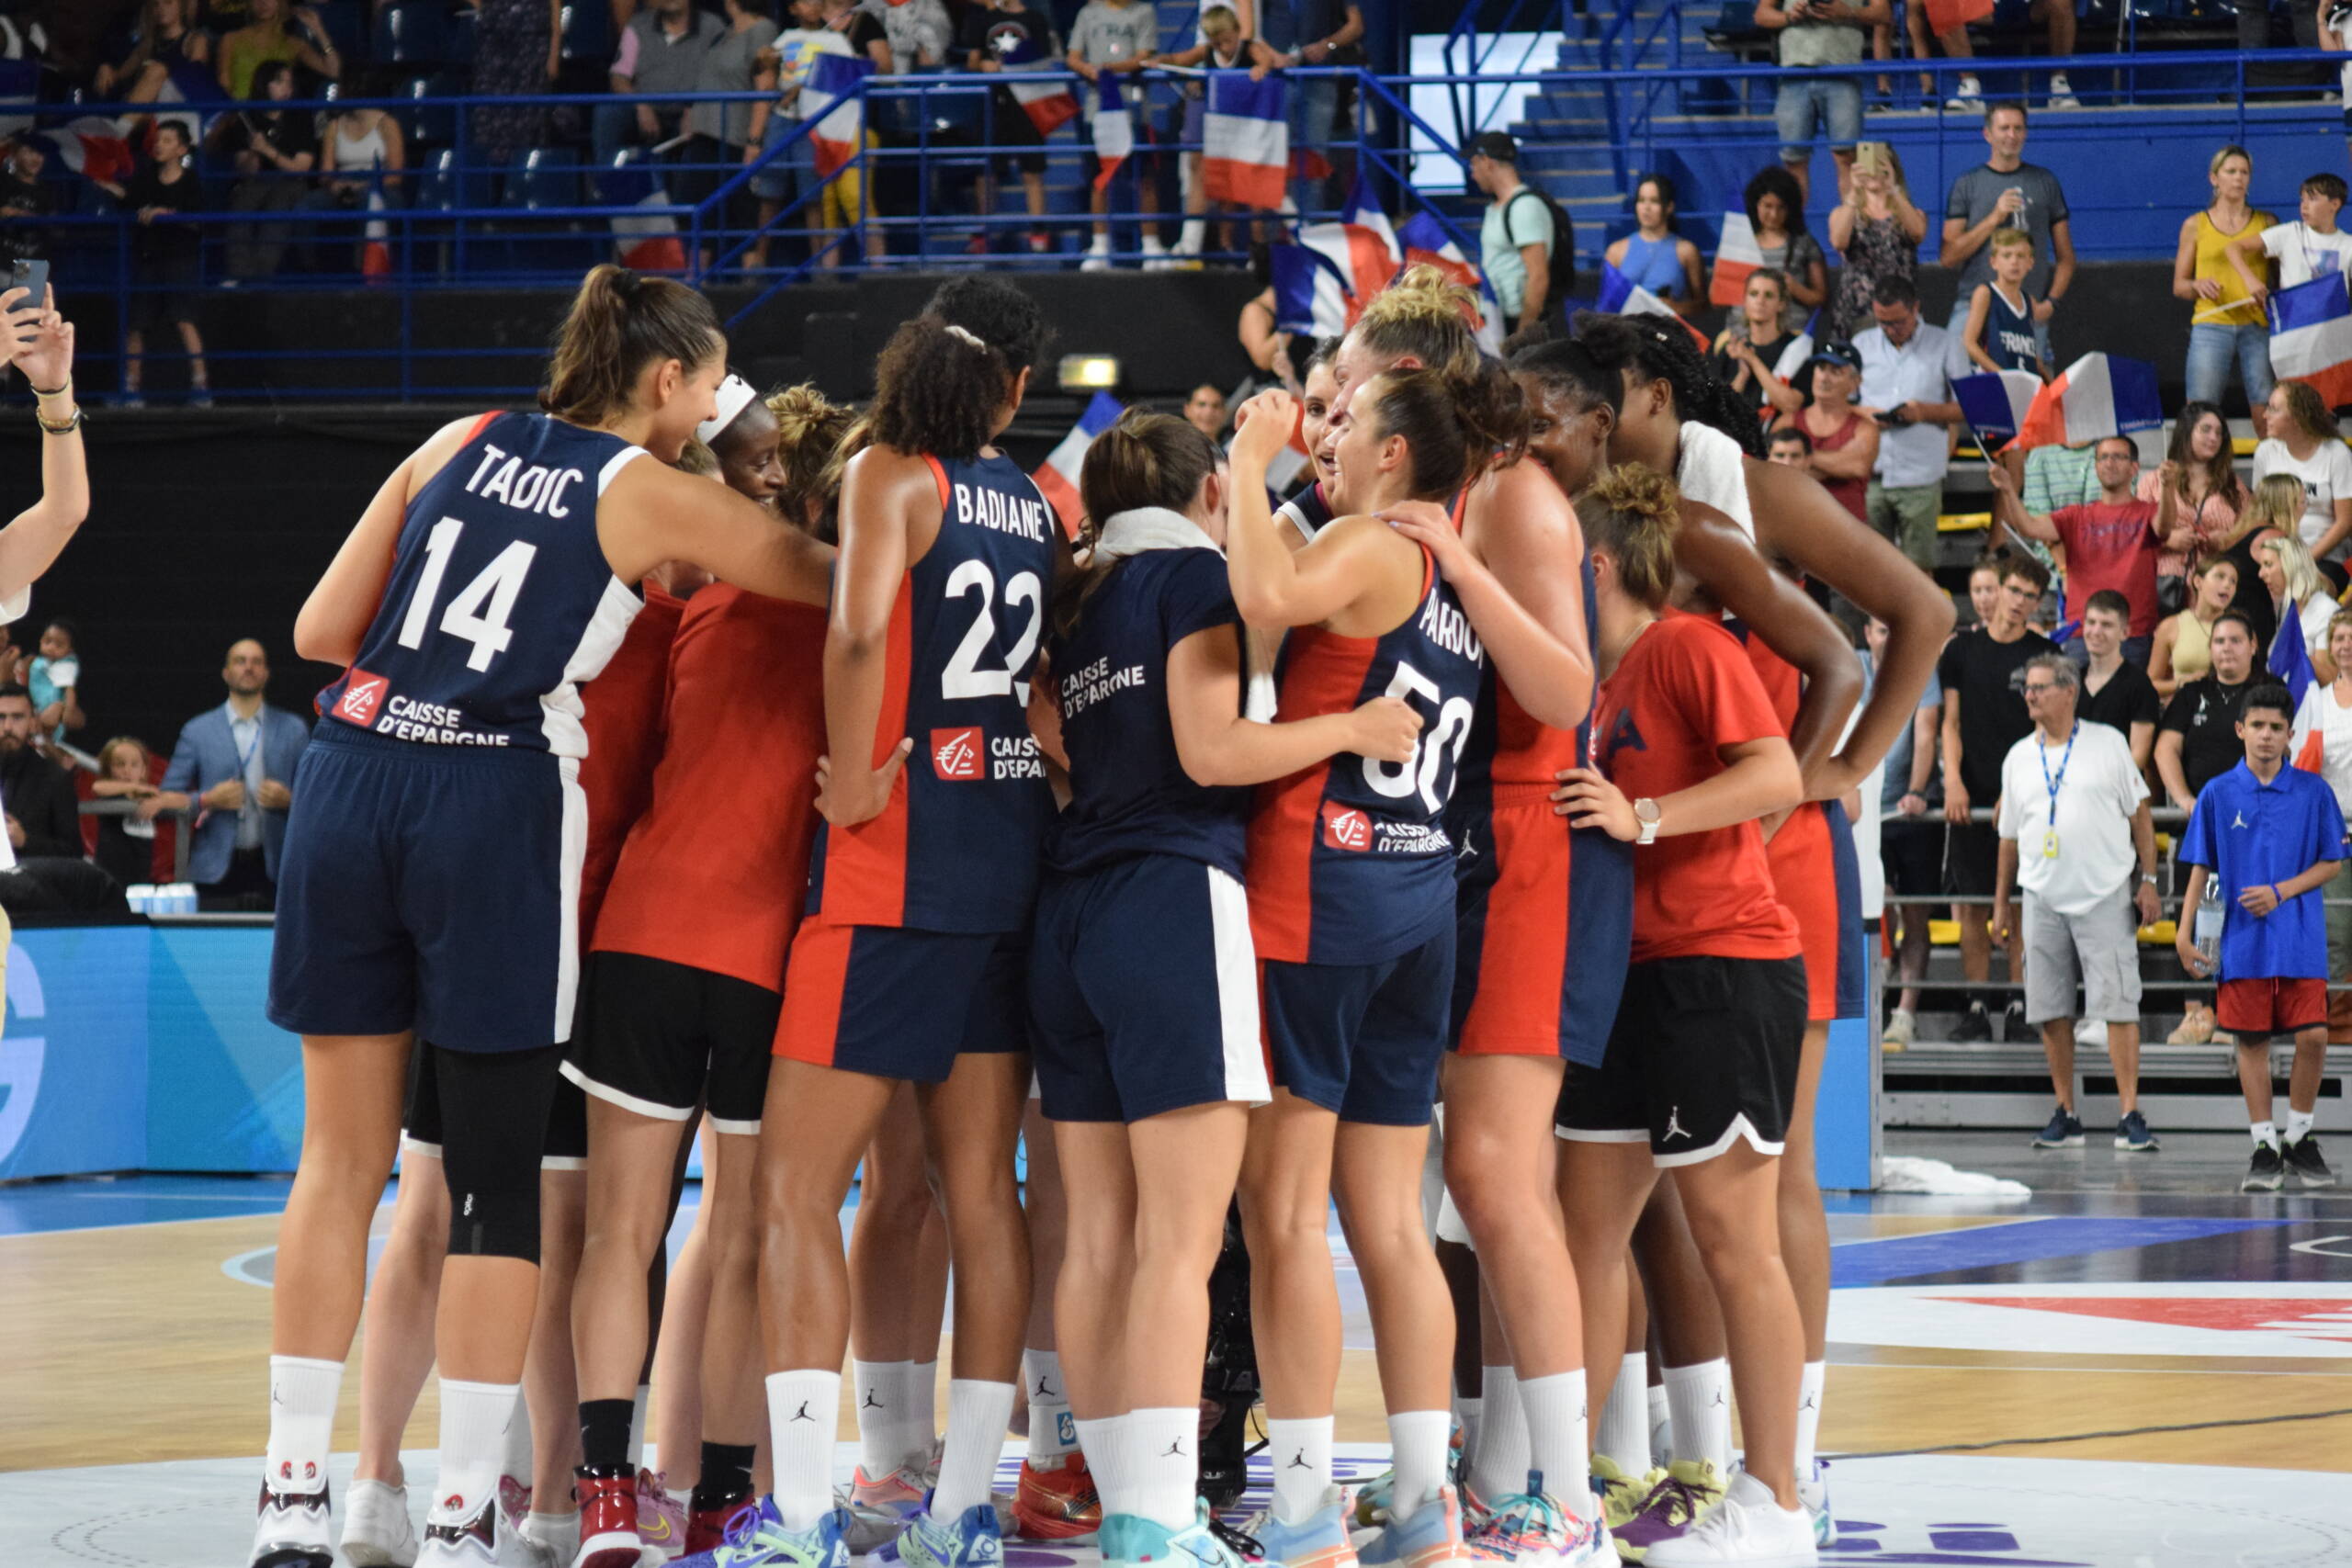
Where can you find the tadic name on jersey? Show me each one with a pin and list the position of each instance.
(526, 486)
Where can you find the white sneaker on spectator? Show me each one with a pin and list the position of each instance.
(1098, 255)
(2091, 1032)
(2061, 96)
(1155, 255)
(1901, 1029)
(1967, 96)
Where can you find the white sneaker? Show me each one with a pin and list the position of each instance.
(1901, 1029)
(294, 1529)
(484, 1538)
(376, 1530)
(2061, 96)
(1155, 256)
(2091, 1032)
(1098, 258)
(1814, 1493)
(1967, 96)
(556, 1534)
(1748, 1526)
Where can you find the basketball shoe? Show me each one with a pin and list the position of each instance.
(484, 1538)
(1535, 1530)
(293, 1529)
(707, 1522)
(1814, 1493)
(1620, 1496)
(1129, 1541)
(1430, 1538)
(608, 1518)
(377, 1530)
(1057, 1503)
(971, 1539)
(1748, 1527)
(661, 1520)
(1688, 1491)
(879, 1508)
(757, 1539)
(1319, 1540)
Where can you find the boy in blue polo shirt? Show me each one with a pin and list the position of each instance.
(2274, 836)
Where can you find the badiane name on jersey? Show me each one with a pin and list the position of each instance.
(1084, 688)
(1006, 513)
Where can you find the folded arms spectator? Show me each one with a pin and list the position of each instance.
(235, 760)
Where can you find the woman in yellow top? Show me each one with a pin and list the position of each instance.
(2226, 323)
(278, 30)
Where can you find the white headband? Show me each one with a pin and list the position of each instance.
(735, 395)
(966, 335)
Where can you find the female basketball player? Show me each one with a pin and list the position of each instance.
(1311, 508)
(1352, 909)
(1142, 978)
(430, 875)
(908, 966)
(1702, 1060)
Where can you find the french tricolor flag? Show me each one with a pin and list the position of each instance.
(1427, 244)
(1114, 132)
(1995, 406)
(833, 99)
(2097, 395)
(2290, 660)
(646, 241)
(1059, 478)
(1312, 294)
(1621, 295)
(1049, 104)
(2311, 337)
(92, 147)
(1800, 350)
(1245, 141)
(1735, 258)
(1361, 248)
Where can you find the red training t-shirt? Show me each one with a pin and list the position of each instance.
(2112, 544)
(621, 711)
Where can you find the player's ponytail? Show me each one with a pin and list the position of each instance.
(619, 324)
(1146, 459)
(1630, 515)
(1425, 316)
(810, 432)
(945, 376)
(1456, 425)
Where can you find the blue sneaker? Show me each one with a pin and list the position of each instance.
(1320, 1540)
(757, 1539)
(1430, 1538)
(1814, 1493)
(1128, 1541)
(972, 1539)
(1535, 1530)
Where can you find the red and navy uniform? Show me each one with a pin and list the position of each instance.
(1352, 896)
(1308, 510)
(910, 951)
(1142, 979)
(1815, 867)
(430, 879)
(1545, 912)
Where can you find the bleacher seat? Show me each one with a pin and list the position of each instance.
(545, 178)
(346, 24)
(588, 31)
(411, 33)
(458, 47)
(434, 121)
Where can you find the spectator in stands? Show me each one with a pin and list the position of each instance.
(1219, 46)
(1654, 257)
(14, 664)
(2183, 644)
(2075, 834)
(1776, 215)
(2312, 246)
(2057, 14)
(1908, 368)
(1008, 35)
(269, 37)
(518, 52)
(2226, 322)
(2274, 506)
(2196, 740)
(1318, 33)
(1983, 676)
(2110, 544)
(792, 173)
(661, 52)
(1815, 33)
(721, 137)
(1844, 444)
(2196, 487)
(1120, 36)
(1984, 585)
(167, 39)
(1910, 839)
(25, 198)
(1205, 410)
(1748, 351)
(127, 844)
(55, 679)
(361, 154)
(1790, 447)
(1876, 232)
(2300, 593)
(42, 818)
(2006, 192)
(235, 760)
(2274, 836)
(2117, 691)
(917, 31)
(274, 151)
(1517, 238)
(2304, 443)
(166, 259)
(1262, 339)
(2001, 314)
(2324, 736)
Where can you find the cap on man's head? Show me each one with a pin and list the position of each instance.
(1844, 354)
(1495, 144)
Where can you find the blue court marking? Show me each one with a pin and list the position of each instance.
(44, 1207)
(1885, 1261)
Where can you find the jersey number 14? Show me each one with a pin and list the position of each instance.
(478, 614)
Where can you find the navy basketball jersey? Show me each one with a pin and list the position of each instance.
(1129, 793)
(1308, 512)
(958, 845)
(1350, 862)
(501, 601)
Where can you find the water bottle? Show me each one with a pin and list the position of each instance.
(2208, 925)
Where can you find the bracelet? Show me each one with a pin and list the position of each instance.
(54, 391)
(67, 428)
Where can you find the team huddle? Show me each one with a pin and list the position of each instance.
(1430, 845)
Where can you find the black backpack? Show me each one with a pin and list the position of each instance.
(1562, 256)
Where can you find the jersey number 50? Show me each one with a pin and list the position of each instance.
(496, 587)
(1440, 743)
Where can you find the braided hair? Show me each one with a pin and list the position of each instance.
(1656, 349)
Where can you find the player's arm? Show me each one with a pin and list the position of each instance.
(1218, 746)
(333, 620)
(885, 494)
(652, 512)
(1759, 778)
(1271, 586)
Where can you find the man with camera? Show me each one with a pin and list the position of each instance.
(1907, 370)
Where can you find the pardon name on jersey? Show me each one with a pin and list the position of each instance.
(1449, 628)
(366, 701)
(1082, 689)
(1023, 515)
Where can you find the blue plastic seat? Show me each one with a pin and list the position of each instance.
(588, 31)
(412, 32)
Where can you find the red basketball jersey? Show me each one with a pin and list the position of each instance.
(622, 713)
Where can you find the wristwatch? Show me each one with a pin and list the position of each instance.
(1646, 812)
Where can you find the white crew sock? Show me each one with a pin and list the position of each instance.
(517, 1458)
(921, 1400)
(1102, 1440)
(301, 1421)
(1196, 234)
(978, 1414)
(1499, 1467)
(1164, 1447)
(1559, 1437)
(1625, 1420)
(637, 1402)
(2299, 1122)
(1417, 1444)
(2264, 1133)
(1700, 1398)
(1661, 1420)
(1300, 1452)
(804, 1415)
(1472, 1414)
(882, 1415)
(1052, 1432)
(1816, 1373)
(474, 1421)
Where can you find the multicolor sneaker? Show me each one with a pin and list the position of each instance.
(1748, 1527)
(1059, 1502)
(879, 1508)
(1533, 1529)
(660, 1518)
(1372, 1497)
(971, 1539)
(1430, 1538)
(757, 1539)
(1129, 1541)
(484, 1538)
(1814, 1493)
(292, 1530)
(1683, 1497)
(1620, 1496)
(1319, 1540)
(376, 1530)
(608, 1518)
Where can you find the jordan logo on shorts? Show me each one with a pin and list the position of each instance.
(1346, 829)
(956, 753)
(1674, 1128)
(361, 698)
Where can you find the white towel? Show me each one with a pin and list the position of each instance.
(1149, 528)
(1711, 472)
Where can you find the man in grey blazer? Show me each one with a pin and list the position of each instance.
(236, 760)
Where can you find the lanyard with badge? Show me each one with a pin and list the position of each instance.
(2050, 834)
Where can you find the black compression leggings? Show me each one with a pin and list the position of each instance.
(493, 1129)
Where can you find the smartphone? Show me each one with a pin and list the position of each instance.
(32, 275)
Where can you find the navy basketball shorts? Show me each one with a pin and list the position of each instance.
(901, 1003)
(659, 1038)
(433, 889)
(1704, 1053)
(567, 1141)
(1142, 991)
(1362, 1039)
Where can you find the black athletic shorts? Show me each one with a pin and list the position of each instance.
(660, 1038)
(567, 1141)
(1705, 1050)
(1911, 849)
(1972, 857)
